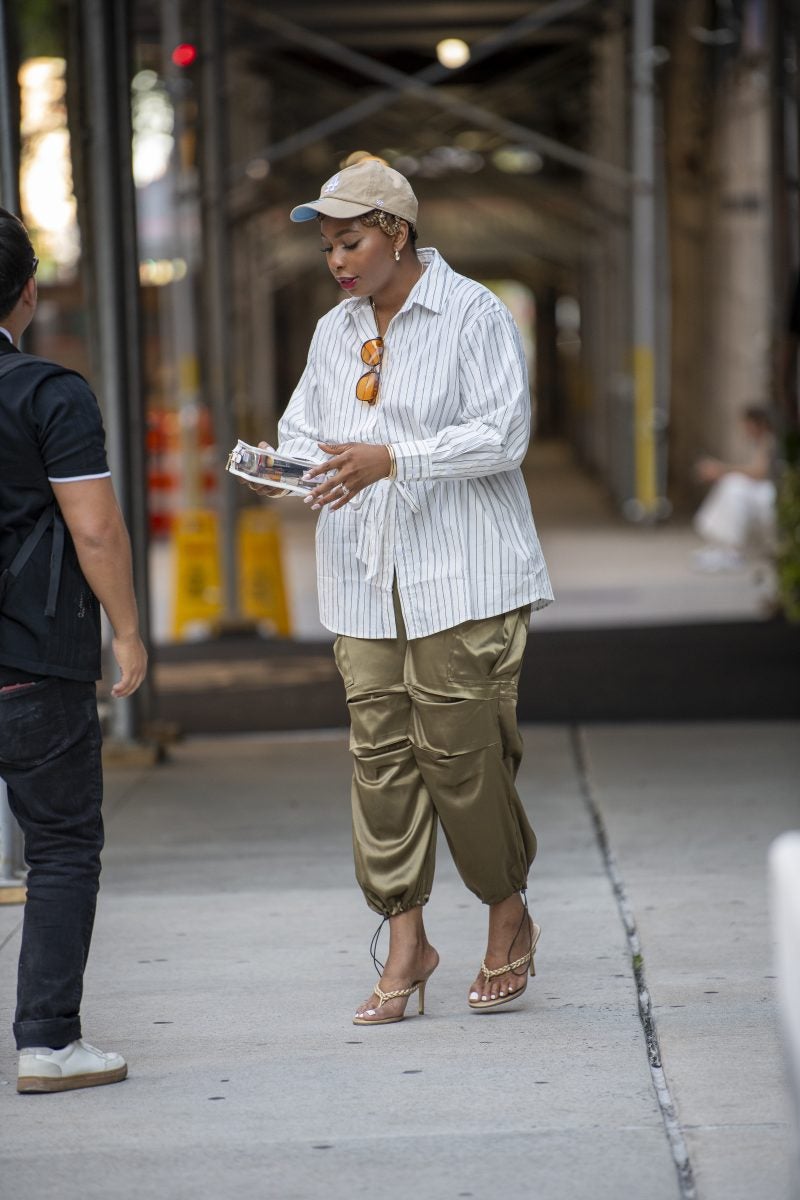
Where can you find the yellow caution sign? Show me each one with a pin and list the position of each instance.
(197, 583)
(262, 592)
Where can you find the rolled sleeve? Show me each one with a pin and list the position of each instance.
(495, 431)
(413, 460)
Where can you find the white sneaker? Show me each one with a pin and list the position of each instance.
(77, 1065)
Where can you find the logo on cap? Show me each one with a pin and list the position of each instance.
(331, 185)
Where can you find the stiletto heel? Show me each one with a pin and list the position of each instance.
(398, 994)
(513, 967)
(419, 986)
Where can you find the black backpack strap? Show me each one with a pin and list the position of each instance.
(56, 558)
(31, 542)
(51, 515)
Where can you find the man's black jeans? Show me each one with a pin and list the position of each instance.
(50, 759)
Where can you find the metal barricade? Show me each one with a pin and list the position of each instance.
(12, 863)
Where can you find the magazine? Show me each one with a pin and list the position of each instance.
(262, 464)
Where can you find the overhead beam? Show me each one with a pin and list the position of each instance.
(422, 85)
(411, 12)
(423, 40)
(434, 73)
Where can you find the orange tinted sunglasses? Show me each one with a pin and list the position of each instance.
(367, 386)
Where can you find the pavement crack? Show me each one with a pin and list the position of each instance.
(677, 1143)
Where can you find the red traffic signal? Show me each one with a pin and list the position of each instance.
(184, 54)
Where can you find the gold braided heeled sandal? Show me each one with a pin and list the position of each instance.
(512, 968)
(395, 995)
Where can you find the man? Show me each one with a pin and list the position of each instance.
(63, 549)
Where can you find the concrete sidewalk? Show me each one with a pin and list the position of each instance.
(231, 950)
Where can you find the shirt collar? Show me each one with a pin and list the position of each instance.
(5, 333)
(430, 291)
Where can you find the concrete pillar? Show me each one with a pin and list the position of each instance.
(688, 133)
(739, 267)
(606, 283)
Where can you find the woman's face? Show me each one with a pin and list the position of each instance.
(360, 258)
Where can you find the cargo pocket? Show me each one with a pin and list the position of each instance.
(488, 651)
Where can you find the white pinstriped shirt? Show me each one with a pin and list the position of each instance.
(455, 528)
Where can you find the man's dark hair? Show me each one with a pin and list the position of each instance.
(17, 260)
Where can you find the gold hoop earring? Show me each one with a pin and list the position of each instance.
(396, 255)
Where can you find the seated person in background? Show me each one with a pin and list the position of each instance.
(737, 516)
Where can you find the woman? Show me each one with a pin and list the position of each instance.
(737, 517)
(415, 402)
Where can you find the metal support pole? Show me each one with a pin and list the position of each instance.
(181, 332)
(217, 267)
(644, 504)
(115, 263)
(9, 173)
(12, 863)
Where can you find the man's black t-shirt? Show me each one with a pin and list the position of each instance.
(50, 431)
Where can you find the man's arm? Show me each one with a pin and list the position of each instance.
(709, 470)
(92, 515)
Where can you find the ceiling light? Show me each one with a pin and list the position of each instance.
(452, 53)
(257, 168)
(472, 139)
(517, 160)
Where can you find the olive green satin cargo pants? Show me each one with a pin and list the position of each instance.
(434, 735)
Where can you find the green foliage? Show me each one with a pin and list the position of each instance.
(788, 558)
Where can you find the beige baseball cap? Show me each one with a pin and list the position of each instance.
(358, 189)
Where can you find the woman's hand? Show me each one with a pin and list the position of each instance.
(355, 465)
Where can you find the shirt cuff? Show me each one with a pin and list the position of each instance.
(413, 460)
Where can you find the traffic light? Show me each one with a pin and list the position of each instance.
(184, 54)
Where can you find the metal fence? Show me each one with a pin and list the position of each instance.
(12, 863)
